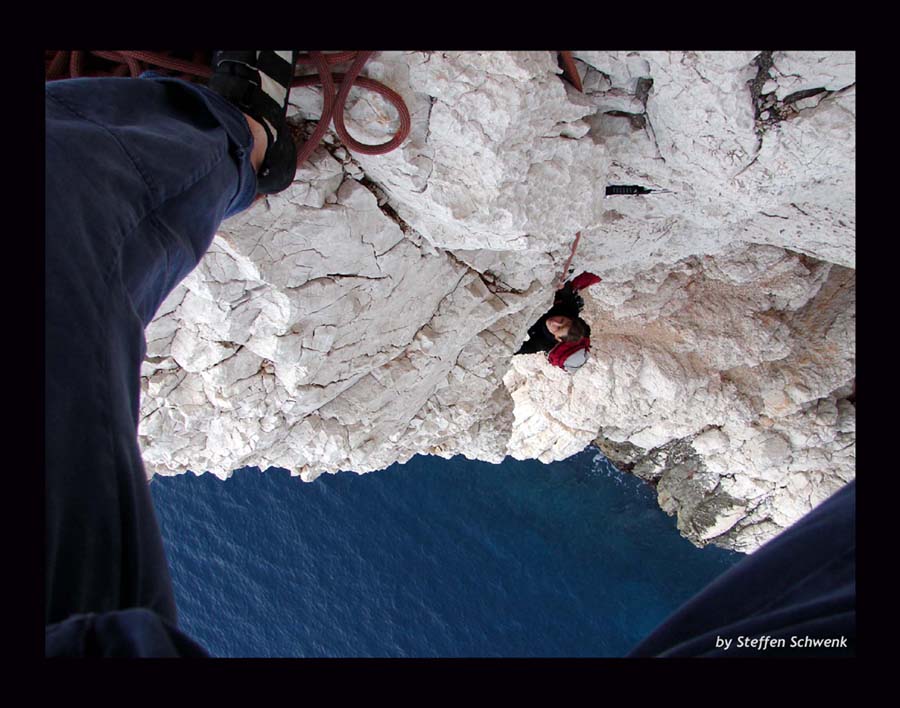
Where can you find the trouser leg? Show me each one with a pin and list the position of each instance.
(139, 175)
(801, 584)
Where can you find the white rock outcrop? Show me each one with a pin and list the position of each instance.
(370, 312)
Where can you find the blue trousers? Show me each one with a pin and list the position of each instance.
(139, 175)
(796, 596)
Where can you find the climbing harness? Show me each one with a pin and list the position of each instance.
(633, 190)
(75, 64)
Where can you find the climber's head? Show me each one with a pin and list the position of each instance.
(558, 326)
(577, 330)
(566, 329)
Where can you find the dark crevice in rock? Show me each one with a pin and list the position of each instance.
(432, 100)
(798, 95)
(764, 63)
(642, 91)
(385, 207)
(652, 133)
(768, 109)
(493, 283)
(381, 198)
(638, 120)
(490, 279)
(338, 276)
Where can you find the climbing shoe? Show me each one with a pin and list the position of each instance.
(258, 83)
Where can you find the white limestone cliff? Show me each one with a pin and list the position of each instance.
(370, 312)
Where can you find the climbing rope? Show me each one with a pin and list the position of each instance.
(76, 64)
(562, 278)
(570, 71)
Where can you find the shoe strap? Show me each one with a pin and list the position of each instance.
(279, 66)
(260, 106)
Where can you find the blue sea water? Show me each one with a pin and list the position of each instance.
(432, 558)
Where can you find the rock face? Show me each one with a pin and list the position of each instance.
(370, 312)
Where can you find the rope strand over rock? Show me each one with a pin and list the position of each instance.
(76, 64)
(565, 272)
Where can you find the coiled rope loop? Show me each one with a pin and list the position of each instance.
(333, 106)
(75, 64)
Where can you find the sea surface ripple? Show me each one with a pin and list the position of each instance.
(432, 558)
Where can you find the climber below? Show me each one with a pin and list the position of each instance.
(560, 331)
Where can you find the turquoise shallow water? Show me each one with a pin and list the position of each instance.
(433, 558)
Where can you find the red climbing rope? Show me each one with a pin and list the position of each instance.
(562, 279)
(570, 71)
(75, 64)
(334, 106)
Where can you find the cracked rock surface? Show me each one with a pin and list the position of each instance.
(370, 312)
